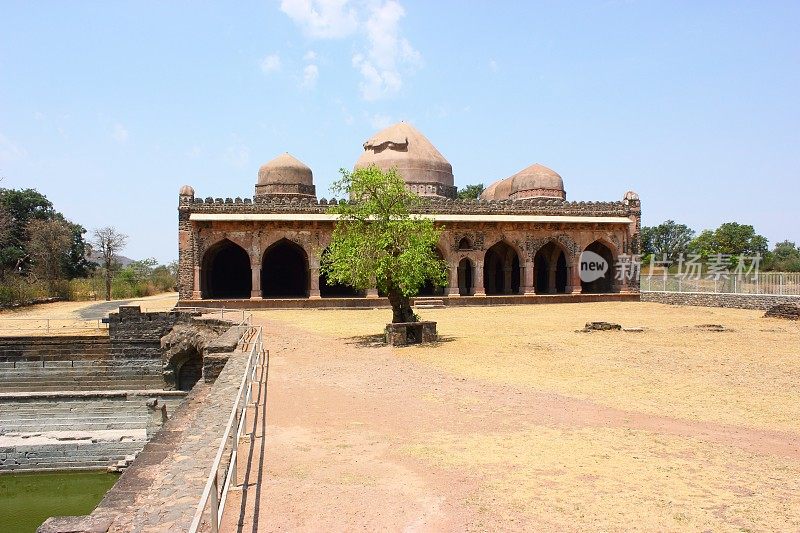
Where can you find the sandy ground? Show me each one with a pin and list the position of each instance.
(65, 318)
(515, 421)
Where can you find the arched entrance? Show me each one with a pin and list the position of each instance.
(429, 289)
(501, 270)
(225, 271)
(188, 371)
(466, 277)
(604, 284)
(550, 267)
(284, 271)
(336, 290)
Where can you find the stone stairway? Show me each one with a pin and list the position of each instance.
(427, 302)
(71, 432)
(35, 376)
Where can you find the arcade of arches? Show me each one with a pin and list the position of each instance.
(288, 270)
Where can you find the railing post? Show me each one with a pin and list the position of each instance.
(781, 285)
(215, 507)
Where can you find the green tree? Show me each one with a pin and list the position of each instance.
(785, 257)
(48, 244)
(471, 192)
(378, 240)
(668, 239)
(21, 206)
(108, 242)
(732, 239)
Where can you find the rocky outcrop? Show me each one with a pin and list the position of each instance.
(787, 311)
(182, 351)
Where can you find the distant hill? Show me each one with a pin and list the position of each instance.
(97, 258)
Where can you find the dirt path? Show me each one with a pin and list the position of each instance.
(363, 437)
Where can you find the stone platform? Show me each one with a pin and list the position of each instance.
(369, 303)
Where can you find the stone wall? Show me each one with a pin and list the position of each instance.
(735, 301)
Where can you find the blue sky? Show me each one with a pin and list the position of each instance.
(109, 107)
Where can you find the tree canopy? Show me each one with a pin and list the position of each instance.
(378, 242)
(472, 192)
(19, 209)
(731, 239)
(667, 240)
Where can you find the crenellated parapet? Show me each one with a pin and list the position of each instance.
(530, 206)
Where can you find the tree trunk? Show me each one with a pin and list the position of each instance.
(108, 283)
(401, 307)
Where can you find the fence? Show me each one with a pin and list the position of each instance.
(772, 283)
(216, 489)
(51, 326)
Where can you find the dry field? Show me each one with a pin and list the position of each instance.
(516, 421)
(64, 318)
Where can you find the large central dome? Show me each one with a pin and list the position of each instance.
(419, 163)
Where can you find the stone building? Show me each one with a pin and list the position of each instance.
(521, 239)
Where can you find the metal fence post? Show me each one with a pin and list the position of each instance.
(215, 507)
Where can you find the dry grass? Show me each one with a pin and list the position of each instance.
(64, 319)
(746, 376)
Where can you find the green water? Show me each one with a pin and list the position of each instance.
(27, 500)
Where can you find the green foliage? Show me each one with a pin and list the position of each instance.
(472, 192)
(784, 258)
(732, 239)
(18, 207)
(377, 242)
(667, 239)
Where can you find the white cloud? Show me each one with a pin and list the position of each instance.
(311, 55)
(380, 121)
(493, 65)
(322, 19)
(120, 134)
(387, 52)
(271, 63)
(9, 150)
(310, 75)
(384, 55)
(238, 155)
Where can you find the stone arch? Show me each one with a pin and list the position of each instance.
(501, 269)
(466, 277)
(225, 271)
(429, 289)
(284, 270)
(464, 244)
(551, 269)
(188, 368)
(604, 284)
(335, 290)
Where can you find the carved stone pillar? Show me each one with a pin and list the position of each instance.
(313, 291)
(528, 286)
(479, 290)
(197, 293)
(574, 274)
(452, 274)
(551, 280)
(507, 279)
(255, 272)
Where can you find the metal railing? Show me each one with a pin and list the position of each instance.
(50, 326)
(769, 283)
(216, 489)
(232, 314)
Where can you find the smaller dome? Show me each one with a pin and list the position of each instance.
(499, 190)
(285, 169)
(187, 190)
(537, 180)
(285, 176)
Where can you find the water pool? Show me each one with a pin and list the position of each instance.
(28, 499)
